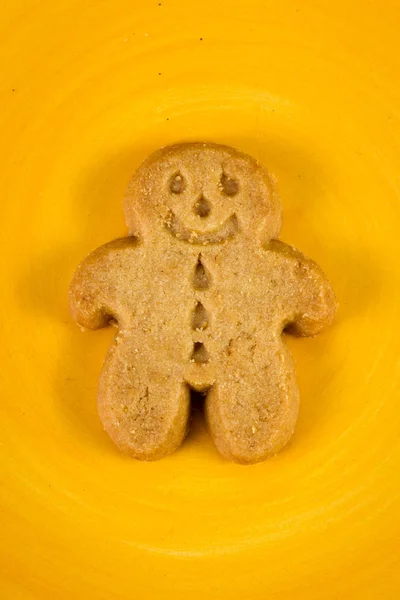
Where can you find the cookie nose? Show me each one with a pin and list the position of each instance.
(202, 207)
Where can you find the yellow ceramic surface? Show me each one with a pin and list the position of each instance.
(88, 89)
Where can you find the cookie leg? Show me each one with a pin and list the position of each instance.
(142, 403)
(252, 411)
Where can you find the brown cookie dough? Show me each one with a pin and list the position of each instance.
(201, 291)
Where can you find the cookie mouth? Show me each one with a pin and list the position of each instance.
(213, 236)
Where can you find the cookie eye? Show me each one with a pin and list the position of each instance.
(229, 186)
(177, 184)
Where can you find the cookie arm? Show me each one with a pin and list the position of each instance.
(95, 287)
(310, 303)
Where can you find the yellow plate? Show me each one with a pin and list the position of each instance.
(312, 90)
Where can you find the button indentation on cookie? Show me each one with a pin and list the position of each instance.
(200, 354)
(200, 317)
(201, 279)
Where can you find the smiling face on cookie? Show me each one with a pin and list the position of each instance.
(202, 194)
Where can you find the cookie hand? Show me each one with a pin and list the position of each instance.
(310, 300)
(94, 293)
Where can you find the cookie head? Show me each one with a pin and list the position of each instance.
(202, 194)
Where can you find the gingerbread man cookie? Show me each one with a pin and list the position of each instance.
(201, 291)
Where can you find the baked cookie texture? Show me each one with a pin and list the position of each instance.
(201, 291)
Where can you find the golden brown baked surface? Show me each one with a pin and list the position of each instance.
(201, 292)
